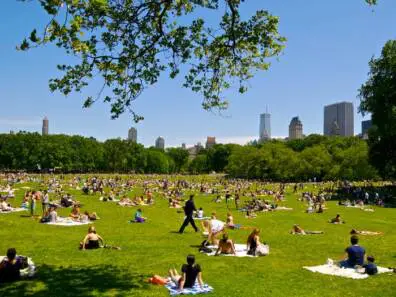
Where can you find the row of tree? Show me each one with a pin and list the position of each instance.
(315, 156)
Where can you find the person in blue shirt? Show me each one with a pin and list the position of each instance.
(355, 254)
(138, 216)
(370, 268)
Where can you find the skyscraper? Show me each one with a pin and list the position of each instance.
(295, 129)
(132, 134)
(160, 143)
(366, 125)
(45, 126)
(210, 141)
(338, 119)
(265, 127)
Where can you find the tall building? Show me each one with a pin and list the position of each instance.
(45, 126)
(338, 119)
(295, 129)
(184, 147)
(160, 143)
(366, 125)
(210, 141)
(265, 127)
(132, 134)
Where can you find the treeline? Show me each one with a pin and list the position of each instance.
(320, 157)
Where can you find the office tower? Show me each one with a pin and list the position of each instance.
(132, 134)
(295, 129)
(45, 126)
(160, 143)
(338, 119)
(265, 127)
(184, 147)
(210, 141)
(366, 125)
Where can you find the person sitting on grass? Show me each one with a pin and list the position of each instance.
(298, 230)
(337, 220)
(200, 213)
(226, 246)
(190, 273)
(355, 254)
(254, 246)
(75, 213)
(10, 267)
(91, 216)
(91, 240)
(370, 268)
(4, 206)
(138, 217)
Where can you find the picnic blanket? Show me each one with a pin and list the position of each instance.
(67, 222)
(13, 210)
(108, 200)
(240, 249)
(343, 272)
(174, 291)
(27, 272)
(199, 219)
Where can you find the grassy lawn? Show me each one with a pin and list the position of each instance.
(154, 247)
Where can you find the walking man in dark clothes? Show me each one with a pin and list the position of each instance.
(189, 209)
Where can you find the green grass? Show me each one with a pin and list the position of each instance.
(153, 247)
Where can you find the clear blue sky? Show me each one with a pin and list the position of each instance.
(326, 60)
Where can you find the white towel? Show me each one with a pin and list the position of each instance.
(240, 249)
(67, 222)
(343, 272)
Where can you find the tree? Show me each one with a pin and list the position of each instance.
(179, 156)
(378, 97)
(131, 42)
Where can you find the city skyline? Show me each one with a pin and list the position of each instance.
(338, 119)
(328, 59)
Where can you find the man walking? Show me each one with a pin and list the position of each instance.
(189, 209)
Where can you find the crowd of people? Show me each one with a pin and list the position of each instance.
(247, 196)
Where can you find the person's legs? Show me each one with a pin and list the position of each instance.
(175, 277)
(313, 232)
(344, 264)
(191, 220)
(184, 225)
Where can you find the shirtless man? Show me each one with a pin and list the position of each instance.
(226, 246)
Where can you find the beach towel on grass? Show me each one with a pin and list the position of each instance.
(240, 249)
(67, 222)
(13, 210)
(200, 219)
(343, 272)
(174, 290)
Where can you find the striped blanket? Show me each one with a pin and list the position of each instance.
(174, 291)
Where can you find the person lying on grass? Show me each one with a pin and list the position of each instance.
(337, 220)
(363, 232)
(91, 240)
(254, 246)
(138, 217)
(10, 267)
(298, 230)
(226, 246)
(190, 273)
(355, 254)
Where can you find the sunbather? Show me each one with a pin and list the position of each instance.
(190, 273)
(337, 220)
(298, 230)
(363, 232)
(254, 246)
(226, 246)
(91, 240)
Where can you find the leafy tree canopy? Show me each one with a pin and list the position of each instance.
(129, 43)
(378, 97)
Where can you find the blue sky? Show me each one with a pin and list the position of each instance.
(326, 60)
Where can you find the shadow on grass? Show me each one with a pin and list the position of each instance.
(77, 281)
